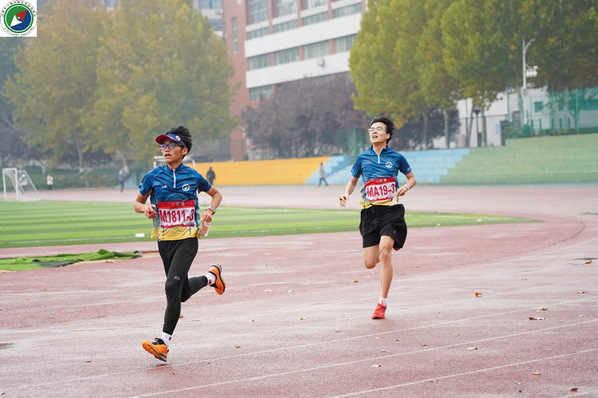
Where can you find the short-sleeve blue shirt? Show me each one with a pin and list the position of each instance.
(370, 166)
(168, 185)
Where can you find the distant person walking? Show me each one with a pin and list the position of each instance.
(50, 182)
(211, 175)
(122, 176)
(174, 208)
(382, 223)
(322, 175)
(23, 181)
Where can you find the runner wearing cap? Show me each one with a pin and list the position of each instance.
(382, 223)
(174, 207)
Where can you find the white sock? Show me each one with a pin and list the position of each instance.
(211, 278)
(382, 301)
(166, 339)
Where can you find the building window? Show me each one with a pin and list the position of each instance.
(217, 24)
(307, 4)
(344, 44)
(313, 19)
(284, 7)
(259, 61)
(316, 50)
(590, 104)
(286, 56)
(217, 4)
(281, 27)
(538, 105)
(235, 29)
(253, 34)
(258, 11)
(347, 10)
(260, 93)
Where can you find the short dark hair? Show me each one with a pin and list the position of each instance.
(184, 133)
(390, 126)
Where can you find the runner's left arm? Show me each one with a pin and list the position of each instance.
(411, 181)
(214, 203)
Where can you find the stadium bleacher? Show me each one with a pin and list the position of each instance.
(558, 159)
(263, 172)
(549, 159)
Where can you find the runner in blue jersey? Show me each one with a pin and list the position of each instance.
(174, 208)
(382, 225)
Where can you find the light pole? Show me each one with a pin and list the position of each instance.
(524, 64)
(526, 71)
(476, 110)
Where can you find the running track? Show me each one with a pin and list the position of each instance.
(295, 319)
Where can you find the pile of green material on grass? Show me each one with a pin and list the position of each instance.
(60, 260)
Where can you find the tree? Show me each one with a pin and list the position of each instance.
(387, 62)
(160, 65)
(53, 89)
(438, 87)
(411, 57)
(481, 46)
(11, 145)
(372, 66)
(305, 118)
(8, 49)
(411, 19)
(566, 42)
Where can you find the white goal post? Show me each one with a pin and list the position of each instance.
(18, 185)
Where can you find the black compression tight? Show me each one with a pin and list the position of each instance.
(177, 256)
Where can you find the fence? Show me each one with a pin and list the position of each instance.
(554, 113)
(534, 113)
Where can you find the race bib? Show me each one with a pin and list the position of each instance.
(380, 189)
(177, 213)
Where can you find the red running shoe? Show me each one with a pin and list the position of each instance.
(379, 312)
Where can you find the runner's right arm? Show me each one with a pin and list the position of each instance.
(140, 206)
(349, 188)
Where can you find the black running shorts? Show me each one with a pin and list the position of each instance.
(383, 220)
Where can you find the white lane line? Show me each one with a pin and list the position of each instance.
(467, 373)
(338, 364)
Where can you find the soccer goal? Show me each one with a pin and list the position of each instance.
(18, 185)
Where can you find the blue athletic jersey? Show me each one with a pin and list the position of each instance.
(166, 185)
(370, 166)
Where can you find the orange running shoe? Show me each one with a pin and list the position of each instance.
(379, 312)
(219, 285)
(157, 348)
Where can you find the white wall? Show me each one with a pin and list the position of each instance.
(334, 63)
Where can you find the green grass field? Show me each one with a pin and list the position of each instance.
(25, 224)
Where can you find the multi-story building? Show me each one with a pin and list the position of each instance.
(276, 41)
